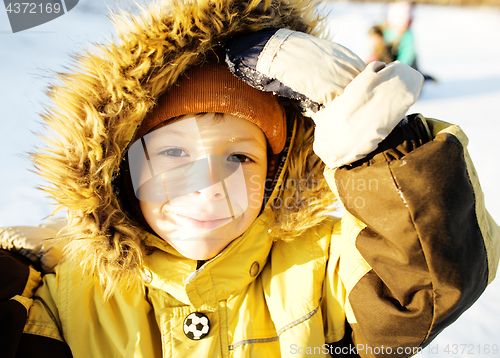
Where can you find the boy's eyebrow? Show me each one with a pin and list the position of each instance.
(245, 139)
(186, 134)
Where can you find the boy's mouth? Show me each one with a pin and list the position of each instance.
(201, 221)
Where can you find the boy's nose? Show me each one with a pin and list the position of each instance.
(215, 191)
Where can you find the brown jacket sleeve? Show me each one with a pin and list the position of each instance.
(431, 246)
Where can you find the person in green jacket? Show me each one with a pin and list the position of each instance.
(398, 32)
(199, 158)
(399, 36)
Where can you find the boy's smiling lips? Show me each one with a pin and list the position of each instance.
(201, 220)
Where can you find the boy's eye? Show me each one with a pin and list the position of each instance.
(239, 158)
(174, 152)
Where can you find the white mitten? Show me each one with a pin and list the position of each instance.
(353, 124)
(354, 108)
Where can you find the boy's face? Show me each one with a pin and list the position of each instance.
(200, 181)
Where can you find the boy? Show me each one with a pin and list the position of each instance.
(197, 205)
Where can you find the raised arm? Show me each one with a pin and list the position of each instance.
(429, 245)
(417, 246)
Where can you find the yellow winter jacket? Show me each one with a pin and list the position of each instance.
(289, 298)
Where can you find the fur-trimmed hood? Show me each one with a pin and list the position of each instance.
(100, 104)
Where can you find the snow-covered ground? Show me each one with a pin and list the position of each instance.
(458, 46)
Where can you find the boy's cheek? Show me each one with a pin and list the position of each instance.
(255, 184)
(255, 191)
(150, 209)
(255, 201)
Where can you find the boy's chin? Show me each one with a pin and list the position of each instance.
(199, 249)
(202, 244)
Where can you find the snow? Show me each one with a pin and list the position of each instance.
(459, 46)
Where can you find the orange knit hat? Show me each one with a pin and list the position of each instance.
(213, 88)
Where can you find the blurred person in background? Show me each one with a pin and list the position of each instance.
(398, 33)
(395, 41)
(380, 50)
